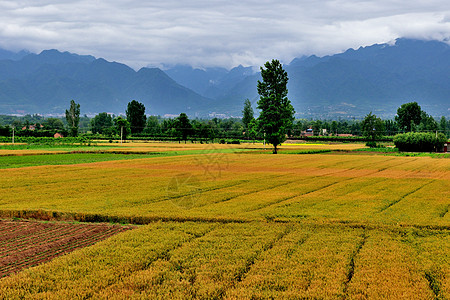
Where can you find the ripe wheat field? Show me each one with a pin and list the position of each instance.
(222, 222)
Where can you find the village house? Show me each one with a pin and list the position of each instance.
(307, 132)
(32, 127)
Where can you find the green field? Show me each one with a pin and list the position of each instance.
(19, 161)
(228, 224)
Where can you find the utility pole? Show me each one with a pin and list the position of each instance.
(13, 135)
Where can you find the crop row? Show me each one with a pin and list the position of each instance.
(44, 252)
(58, 233)
(247, 261)
(42, 242)
(44, 235)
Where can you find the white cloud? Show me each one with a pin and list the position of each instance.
(215, 32)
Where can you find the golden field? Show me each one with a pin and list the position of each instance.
(238, 223)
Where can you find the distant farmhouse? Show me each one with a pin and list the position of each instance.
(307, 132)
(32, 127)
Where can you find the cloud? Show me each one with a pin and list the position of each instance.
(215, 32)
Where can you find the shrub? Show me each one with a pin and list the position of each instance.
(419, 142)
(371, 144)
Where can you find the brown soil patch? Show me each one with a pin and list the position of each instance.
(24, 244)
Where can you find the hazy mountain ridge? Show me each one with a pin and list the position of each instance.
(5, 54)
(45, 83)
(377, 78)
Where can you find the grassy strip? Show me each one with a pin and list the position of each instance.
(44, 215)
(294, 151)
(395, 152)
(304, 151)
(17, 161)
(53, 147)
(90, 156)
(378, 150)
(98, 218)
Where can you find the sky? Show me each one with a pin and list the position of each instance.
(215, 33)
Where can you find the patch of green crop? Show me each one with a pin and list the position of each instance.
(63, 159)
(312, 151)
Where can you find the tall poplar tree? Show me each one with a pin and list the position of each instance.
(277, 113)
(73, 118)
(136, 116)
(247, 113)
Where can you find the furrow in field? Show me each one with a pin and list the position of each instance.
(196, 188)
(259, 203)
(11, 229)
(280, 201)
(344, 199)
(430, 249)
(434, 284)
(351, 264)
(26, 239)
(392, 203)
(38, 234)
(321, 190)
(37, 256)
(59, 235)
(388, 268)
(309, 262)
(273, 186)
(203, 268)
(200, 202)
(47, 244)
(42, 245)
(444, 211)
(251, 260)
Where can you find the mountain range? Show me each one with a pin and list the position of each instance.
(45, 83)
(377, 78)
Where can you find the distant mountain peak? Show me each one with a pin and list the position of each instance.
(6, 54)
(54, 56)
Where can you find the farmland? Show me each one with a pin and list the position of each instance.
(233, 222)
(26, 244)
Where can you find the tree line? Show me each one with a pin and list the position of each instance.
(106, 125)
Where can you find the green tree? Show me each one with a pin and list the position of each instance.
(391, 127)
(277, 113)
(17, 123)
(73, 118)
(136, 116)
(427, 123)
(408, 116)
(334, 127)
(53, 124)
(247, 113)
(122, 127)
(252, 130)
(443, 125)
(183, 126)
(101, 123)
(373, 128)
(153, 126)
